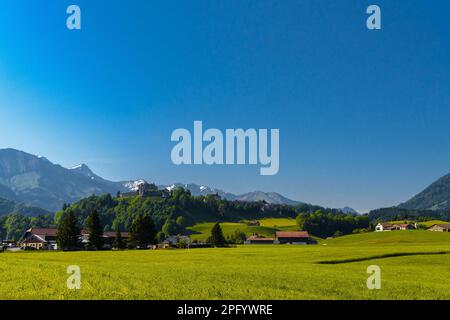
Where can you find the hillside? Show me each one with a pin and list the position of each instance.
(435, 197)
(267, 228)
(8, 207)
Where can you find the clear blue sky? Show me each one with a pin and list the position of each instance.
(363, 115)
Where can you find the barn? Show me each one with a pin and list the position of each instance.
(440, 228)
(256, 239)
(293, 237)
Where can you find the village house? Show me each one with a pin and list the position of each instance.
(440, 228)
(108, 238)
(45, 238)
(381, 227)
(39, 239)
(406, 226)
(282, 237)
(292, 237)
(256, 239)
(174, 241)
(384, 226)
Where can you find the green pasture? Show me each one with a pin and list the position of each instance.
(245, 272)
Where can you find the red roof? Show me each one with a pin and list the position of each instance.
(292, 234)
(43, 231)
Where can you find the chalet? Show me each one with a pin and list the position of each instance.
(256, 239)
(176, 240)
(391, 227)
(292, 237)
(381, 227)
(108, 237)
(440, 228)
(406, 226)
(39, 239)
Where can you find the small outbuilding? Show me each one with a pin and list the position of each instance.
(440, 228)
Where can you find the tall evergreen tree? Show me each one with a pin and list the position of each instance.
(142, 231)
(68, 235)
(118, 241)
(95, 230)
(217, 237)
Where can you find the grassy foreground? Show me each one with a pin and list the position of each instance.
(246, 272)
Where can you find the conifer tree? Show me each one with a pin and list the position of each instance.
(95, 230)
(68, 235)
(118, 241)
(217, 237)
(142, 231)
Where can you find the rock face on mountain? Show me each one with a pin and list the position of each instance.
(38, 182)
(434, 197)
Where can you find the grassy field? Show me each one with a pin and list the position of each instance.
(425, 223)
(267, 228)
(246, 272)
(202, 231)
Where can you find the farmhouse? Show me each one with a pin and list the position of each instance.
(256, 239)
(108, 238)
(406, 226)
(385, 226)
(292, 237)
(175, 240)
(45, 238)
(440, 228)
(40, 239)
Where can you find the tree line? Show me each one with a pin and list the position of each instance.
(323, 224)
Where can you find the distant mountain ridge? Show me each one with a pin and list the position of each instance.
(269, 197)
(37, 182)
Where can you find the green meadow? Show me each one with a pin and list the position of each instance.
(413, 266)
(267, 228)
(425, 223)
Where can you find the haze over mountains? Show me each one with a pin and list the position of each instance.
(26, 178)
